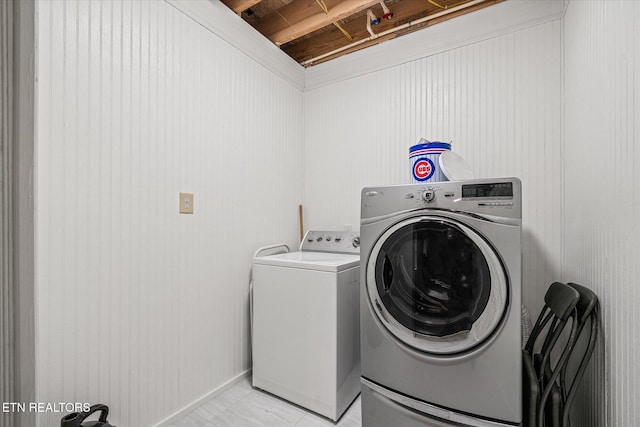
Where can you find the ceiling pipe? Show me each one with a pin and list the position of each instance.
(372, 20)
(394, 29)
(386, 12)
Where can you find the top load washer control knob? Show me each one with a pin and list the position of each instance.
(319, 239)
(328, 238)
(337, 239)
(356, 241)
(428, 195)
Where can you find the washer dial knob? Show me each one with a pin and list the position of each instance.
(428, 195)
(356, 241)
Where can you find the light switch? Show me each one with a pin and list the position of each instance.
(186, 203)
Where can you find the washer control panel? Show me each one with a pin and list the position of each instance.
(495, 197)
(347, 242)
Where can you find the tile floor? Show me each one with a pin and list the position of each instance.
(244, 406)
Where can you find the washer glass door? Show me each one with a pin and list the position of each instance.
(436, 285)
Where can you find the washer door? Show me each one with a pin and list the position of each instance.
(436, 285)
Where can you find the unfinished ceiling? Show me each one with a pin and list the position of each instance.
(314, 31)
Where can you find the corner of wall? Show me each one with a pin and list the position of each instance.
(219, 19)
(24, 209)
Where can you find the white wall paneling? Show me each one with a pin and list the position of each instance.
(602, 188)
(498, 100)
(24, 210)
(139, 307)
(7, 283)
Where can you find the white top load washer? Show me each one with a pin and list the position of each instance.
(306, 323)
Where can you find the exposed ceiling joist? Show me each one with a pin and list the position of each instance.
(238, 6)
(404, 11)
(302, 17)
(314, 31)
(402, 32)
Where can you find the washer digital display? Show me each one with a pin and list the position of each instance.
(491, 190)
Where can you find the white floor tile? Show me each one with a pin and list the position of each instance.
(241, 389)
(244, 406)
(351, 418)
(258, 409)
(214, 407)
(311, 420)
(192, 420)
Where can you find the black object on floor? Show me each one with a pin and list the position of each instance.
(75, 419)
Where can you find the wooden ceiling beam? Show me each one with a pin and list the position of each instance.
(302, 17)
(356, 48)
(239, 6)
(407, 31)
(404, 11)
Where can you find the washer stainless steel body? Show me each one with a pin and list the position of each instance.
(440, 304)
(306, 329)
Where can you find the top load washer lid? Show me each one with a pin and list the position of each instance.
(319, 261)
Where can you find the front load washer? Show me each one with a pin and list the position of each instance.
(440, 304)
(306, 323)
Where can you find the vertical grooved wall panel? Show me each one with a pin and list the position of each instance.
(8, 145)
(497, 100)
(139, 307)
(602, 191)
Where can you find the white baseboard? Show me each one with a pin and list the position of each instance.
(213, 393)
